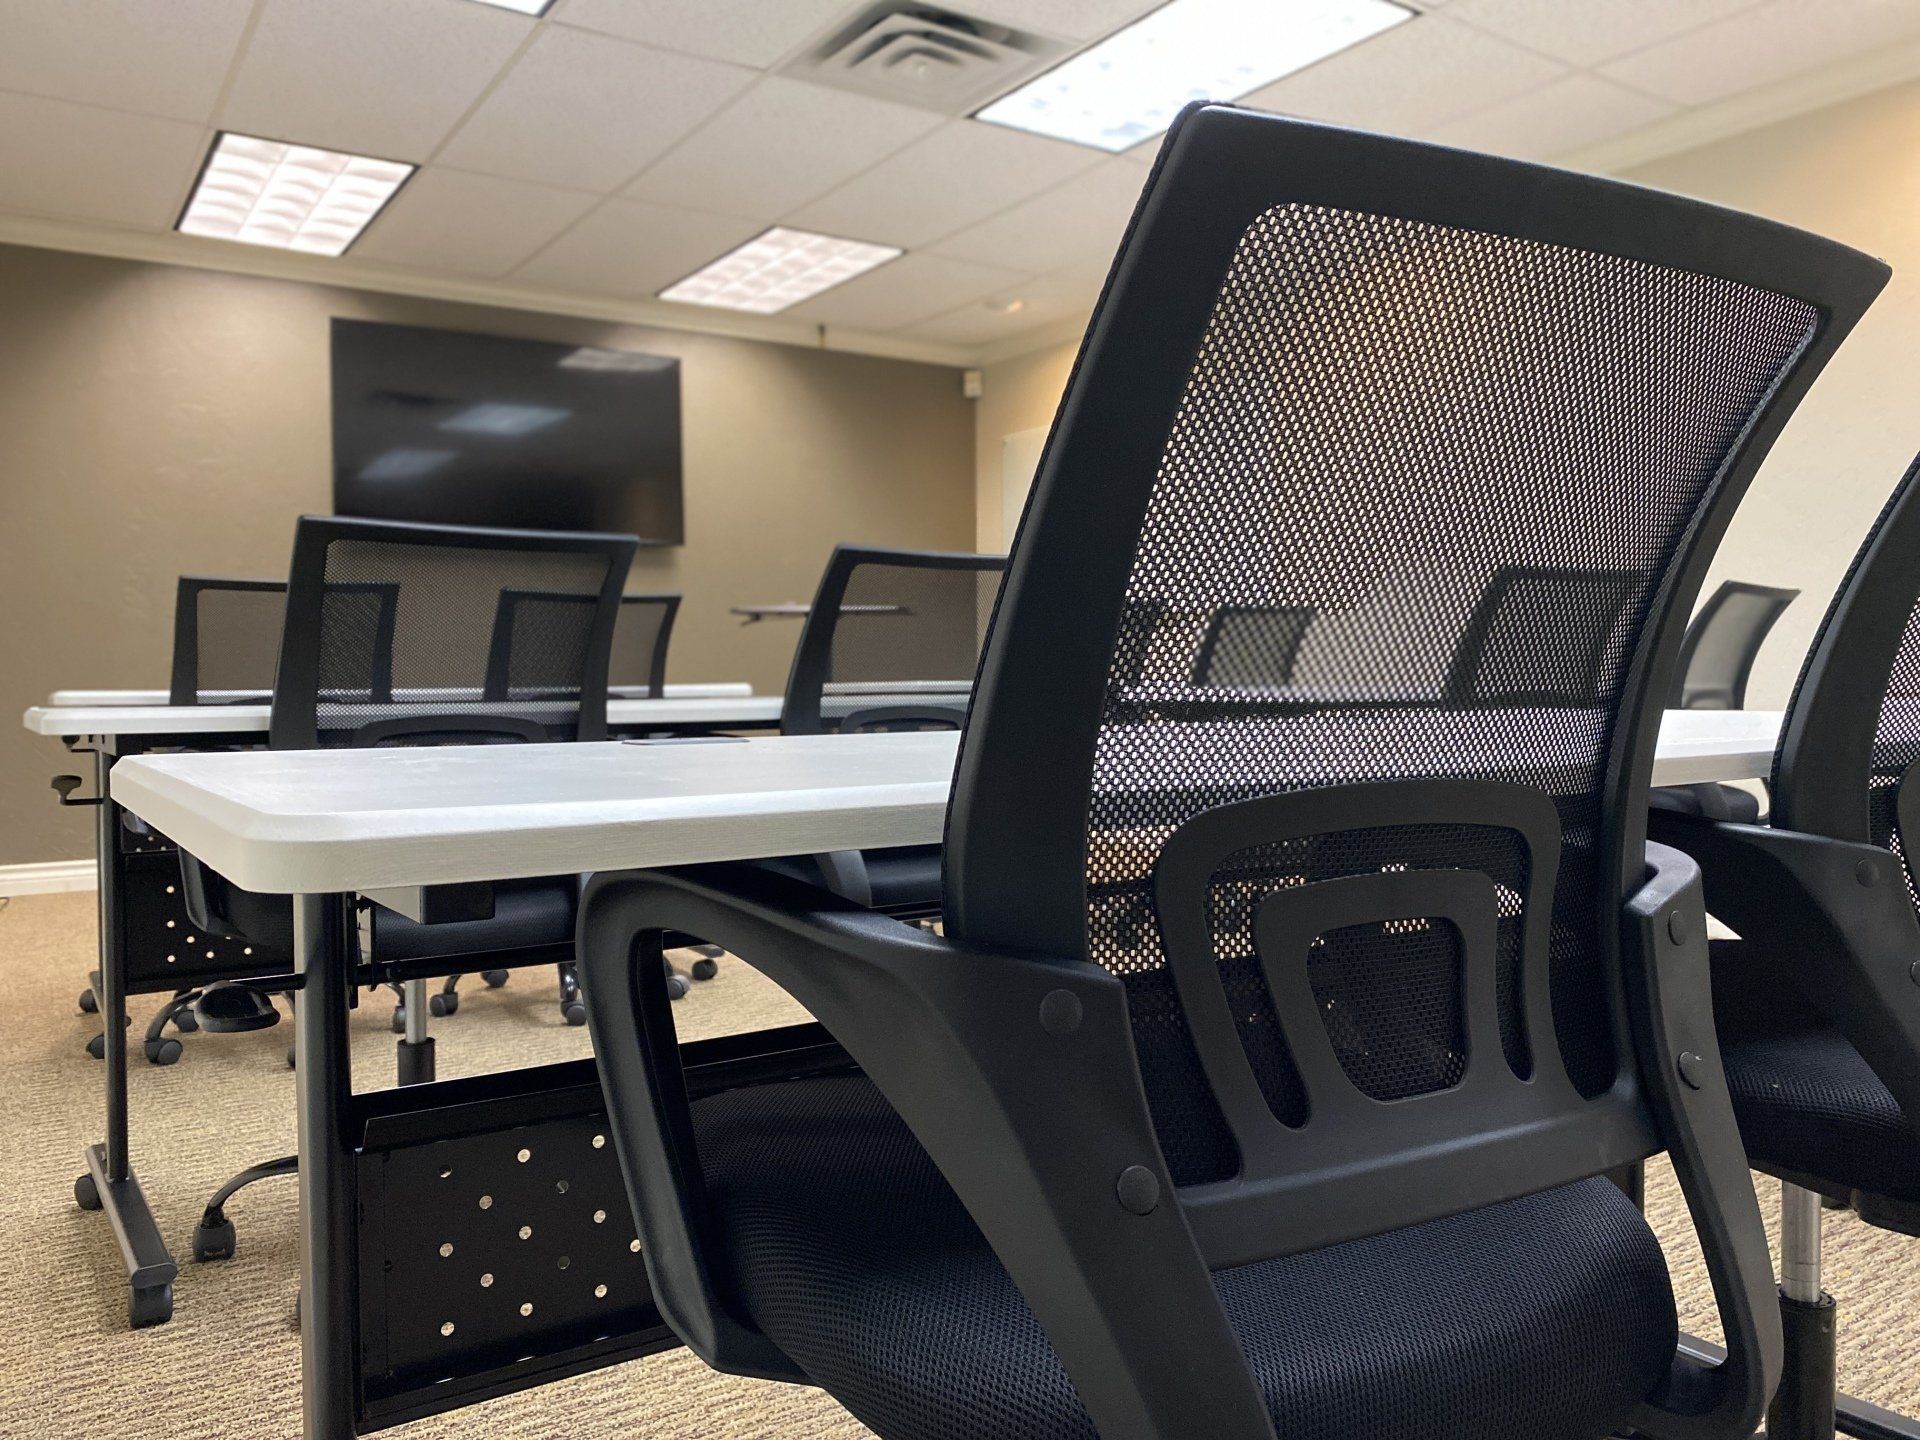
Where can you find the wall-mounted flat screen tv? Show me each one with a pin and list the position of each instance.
(459, 429)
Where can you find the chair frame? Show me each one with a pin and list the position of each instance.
(184, 680)
(1012, 1061)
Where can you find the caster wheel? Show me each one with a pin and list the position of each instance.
(575, 1011)
(677, 986)
(165, 1051)
(97, 1047)
(445, 1003)
(289, 1057)
(89, 1002)
(150, 1307)
(86, 1194)
(186, 1022)
(705, 968)
(494, 978)
(213, 1242)
(399, 1019)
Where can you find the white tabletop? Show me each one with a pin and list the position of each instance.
(65, 720)
(715, 690)
(338, 820)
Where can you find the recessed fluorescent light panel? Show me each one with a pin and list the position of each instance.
(291, 197)
(521, 7)
(499, 418)
(1128, 87)
(778, 269)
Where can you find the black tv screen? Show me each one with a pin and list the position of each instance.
(459, 429)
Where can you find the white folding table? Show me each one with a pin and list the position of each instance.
(323, 824)
(702, 690)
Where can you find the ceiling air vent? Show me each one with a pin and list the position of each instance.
(926, 57)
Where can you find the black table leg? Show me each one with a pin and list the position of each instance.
(323, 956)
(108, 1182)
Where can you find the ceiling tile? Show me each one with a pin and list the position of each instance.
(469, 224)
(1561, 115)
(1069, 19)
(632, 250)
(377, 77)
(1758, 47)
(128, 54)
(78, 162)
(746, 32)
(1586, 32)
(1045, 302)
(902, 291)
(1079, 221)
(778, 146)
(959, 175)
(1410, 79)
(588, 111)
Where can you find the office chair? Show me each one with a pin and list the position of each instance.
(404, 635)
(640, 637)
(1816, 1001)
(1250, 647)
(1716, 660)
(226, 634)
(890, 642)
(1260, 1083)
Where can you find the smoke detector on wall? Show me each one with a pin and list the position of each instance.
(926, 57)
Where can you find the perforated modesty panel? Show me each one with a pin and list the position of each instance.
(408, 631)
(1448, 447)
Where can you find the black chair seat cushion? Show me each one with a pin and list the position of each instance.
(1808, 1105)
(1546, 1318)
(902, 879)
(526, 913)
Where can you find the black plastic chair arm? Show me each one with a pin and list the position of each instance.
(1018, 1075)
(1829, 920)
(1667, 975)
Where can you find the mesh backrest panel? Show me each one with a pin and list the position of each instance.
(1723, 651)
(1472, 459)
(238, 638)
(409, 631)
(638, 637)
(907, 639)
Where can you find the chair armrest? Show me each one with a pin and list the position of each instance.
(1828, 920)
(1666, 971)
(1017, 1073)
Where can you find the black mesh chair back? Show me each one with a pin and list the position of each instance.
(1453, 406)
(891, 641)
(640, 637)
(1716, 658)
(226, 637)
(433, 634)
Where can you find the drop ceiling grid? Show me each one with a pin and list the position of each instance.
(605, 123)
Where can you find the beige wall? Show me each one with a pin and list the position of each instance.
(1851, 172)
(156, 420)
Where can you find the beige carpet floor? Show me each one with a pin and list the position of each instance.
(226, 1367)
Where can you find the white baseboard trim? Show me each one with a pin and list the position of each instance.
(50, 877)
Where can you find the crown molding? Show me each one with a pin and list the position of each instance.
(194, 253)
(1750, 110)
